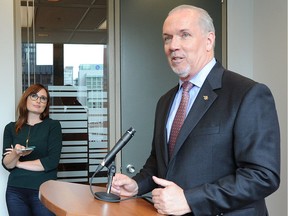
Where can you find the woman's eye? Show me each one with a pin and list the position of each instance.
(34, 96)
(44, 99)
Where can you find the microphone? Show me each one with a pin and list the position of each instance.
(118, 146)
(109, 158)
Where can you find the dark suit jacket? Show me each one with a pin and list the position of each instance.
(227, 155)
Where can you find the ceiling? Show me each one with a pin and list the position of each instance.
(67, 21)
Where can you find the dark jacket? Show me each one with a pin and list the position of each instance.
(227, 155)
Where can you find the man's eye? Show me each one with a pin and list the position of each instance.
(166, 39)
(185, 35)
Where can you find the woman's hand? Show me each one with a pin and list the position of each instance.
(12, 155)
(18, 150)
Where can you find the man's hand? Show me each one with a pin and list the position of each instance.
(123, 185)
(169, 199)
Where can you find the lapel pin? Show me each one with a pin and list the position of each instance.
(205, 97)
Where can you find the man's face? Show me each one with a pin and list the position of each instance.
(186, 46)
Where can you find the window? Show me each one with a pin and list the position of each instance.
(64, 48)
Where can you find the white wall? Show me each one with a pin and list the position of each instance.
(240, 36)
(257, 48)
(7, 93)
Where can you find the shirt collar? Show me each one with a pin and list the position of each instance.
(200, 77)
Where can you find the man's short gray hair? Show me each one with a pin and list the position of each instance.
(205, 20)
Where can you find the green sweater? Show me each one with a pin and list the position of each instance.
(47, 138)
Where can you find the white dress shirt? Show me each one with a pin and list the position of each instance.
(197, 82)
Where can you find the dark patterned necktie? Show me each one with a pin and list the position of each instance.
(180, 116)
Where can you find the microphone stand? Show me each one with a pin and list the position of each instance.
(108, 162)
(107, 196)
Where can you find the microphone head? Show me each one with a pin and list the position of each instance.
(131, 130)
(118, 146)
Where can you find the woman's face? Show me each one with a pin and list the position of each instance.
(36, 103)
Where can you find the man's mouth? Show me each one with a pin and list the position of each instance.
(176, 59)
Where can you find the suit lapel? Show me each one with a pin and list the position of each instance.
(204, 100)
(166, 110)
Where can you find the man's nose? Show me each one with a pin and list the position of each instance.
(175, 43)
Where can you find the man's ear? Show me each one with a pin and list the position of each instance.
(210, 41)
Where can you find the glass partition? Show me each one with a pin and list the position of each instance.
(64, 47)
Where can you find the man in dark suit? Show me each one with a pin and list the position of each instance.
(226, 158)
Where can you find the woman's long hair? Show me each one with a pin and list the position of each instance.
(22, 106)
